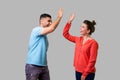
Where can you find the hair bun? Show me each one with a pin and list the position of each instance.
(93, 22)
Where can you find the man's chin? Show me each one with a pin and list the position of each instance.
(47, 25)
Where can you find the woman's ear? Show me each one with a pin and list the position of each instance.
(88, 31)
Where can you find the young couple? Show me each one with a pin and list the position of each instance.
(86, 48)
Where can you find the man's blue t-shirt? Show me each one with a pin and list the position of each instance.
(38, 46)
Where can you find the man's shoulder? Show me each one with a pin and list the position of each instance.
(37, 28)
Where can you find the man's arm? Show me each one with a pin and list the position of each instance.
(54, 25)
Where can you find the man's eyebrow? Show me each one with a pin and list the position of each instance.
(49, 20)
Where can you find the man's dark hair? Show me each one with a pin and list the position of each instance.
(45, 15)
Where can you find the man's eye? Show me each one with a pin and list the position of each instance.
(49, 20)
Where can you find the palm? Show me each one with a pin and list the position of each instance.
(71, 18)
(60, 12)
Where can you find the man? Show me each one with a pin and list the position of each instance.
(36, 66)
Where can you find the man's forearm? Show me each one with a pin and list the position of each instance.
(55, 23)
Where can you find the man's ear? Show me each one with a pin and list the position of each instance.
(41, 21)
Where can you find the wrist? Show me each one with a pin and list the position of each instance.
(59, 17)
(69, 22)
(83, 76)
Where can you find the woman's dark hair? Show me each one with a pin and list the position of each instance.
(45, 15)
(90, 25)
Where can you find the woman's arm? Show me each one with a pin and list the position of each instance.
(92, 60)
(66, 30)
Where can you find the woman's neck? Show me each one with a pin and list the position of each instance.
(86, 37)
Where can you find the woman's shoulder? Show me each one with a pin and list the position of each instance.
(94, 41)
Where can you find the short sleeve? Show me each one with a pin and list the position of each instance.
(37, 31)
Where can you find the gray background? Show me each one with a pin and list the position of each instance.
(18, 17)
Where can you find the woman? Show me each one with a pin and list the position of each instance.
(86, 49)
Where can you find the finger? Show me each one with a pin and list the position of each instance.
(61, 9)
(73, 15)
